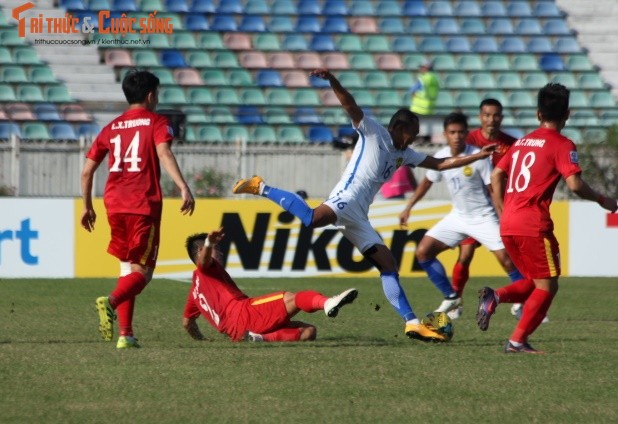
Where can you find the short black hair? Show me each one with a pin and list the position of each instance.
(193, 244)
(490, 102)
(456, 118)
(553, 102)
(403, 115)
(137, 84)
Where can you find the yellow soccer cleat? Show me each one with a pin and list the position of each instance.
(424, 333)
(248, 185)
(127, 342)
(106, 318)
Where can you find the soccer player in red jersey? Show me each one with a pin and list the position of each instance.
(216, 296)
(138, 142)
(490, 115)
(524, 182)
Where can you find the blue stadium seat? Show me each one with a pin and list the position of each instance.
(556, 27)
(391, 25)
(230, 7)
(124, 6)
(388, 8)
(439, 8)
(446, 26)
(322, 43)
(252, 23)
(467, 8)
(493, 9)
(308, 7)
(513, 45)
(362, 8)
(46, 112)
(432, 44)
(318, 82)
(73, 4)
(528, 27)
(196, 22)
(420, 26)
(566, 45)
(283, 7)
(249, 115)
(224, 23)
(62, 131)
(295, 42)
(458, 44)
(404, 44)
(173, 59)
(281, 23)
(335, 24)
(539, 45)
(9, 128)
(519, 8)
(546, 9)
(473, 26)
(257, 7)
(202, 6)
(500, 26)
(320, 134)
(306, 116)
(551, 63)
(88, 129)
(485, 45)
(414, 8)
(177, 6)
(269, 78)
(335, 7)
(308, 23)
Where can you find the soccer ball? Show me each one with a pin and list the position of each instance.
(441, 323)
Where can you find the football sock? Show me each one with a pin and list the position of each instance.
(310, 301)
(283, 335)
(291, 202)
(395, 295)
(535, 309)
(127, 287)
(125, 317)
(437, 274)
(461, 273)
(515, 275)
(516, 292)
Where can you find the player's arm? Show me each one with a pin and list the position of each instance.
(418, 194)
(442, 164)
(345, 98)
(498, 184)
(191, 327)
(89, 216)
(168, 160)
(205, 254)
(577, 185)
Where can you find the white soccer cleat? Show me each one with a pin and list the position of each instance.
(516, 310)
(449, 304)
(252, 337)
(455, 313)
(333, 304)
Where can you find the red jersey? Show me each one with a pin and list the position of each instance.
(533, 167)
(505, 141)
(215, 295)
(134, 171)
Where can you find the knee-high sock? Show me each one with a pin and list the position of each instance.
(535, 309)
(437, 274)
(291, 202)
(461, 273)
(310, 301)
(287, 334)
(127, 287)
(516, 292)
(125, 316)
(395, 295)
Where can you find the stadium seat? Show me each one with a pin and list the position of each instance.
(98, 5)
(248, 115)
(195, 115)
(266, 42)
(439, 8)
(509, 80)
(20, 112)
(70, 5)
(222, 115)
(268, 78)
(566, 45)
(420, 26)
(594, 135)
(291, 135)
(493, 9)
(183, 40)
(282, 60)
(535, 80)
(240, 78)
(388, 8)
(390, 25)
(608, 117)
(403, 44)
(467, 99)
(361, 8)
(307, 23)
(591, 81)
(471, 62)
(361, 61)
(363, 25)
(521, 99)
(199, 60)
(152, 5)
(497, 62)
(336, 61)
(556, 27)
(35, 131)
(513, 44)
(443, 62)
(498, 95)
(25, 56)
(230, 7)
(525, 62)
(29, 93)
(500, 26)
(579, 62)
(335, 7)
(7, 129)
(263, 134)
(5, 56)
(7, 93)
(211, 41)
(376, 43)
(91, 129)
(209, 134)
(458, 44)
(279, 97)
(308, 61)
(306, 116)
(348, 43)
(223, 23)
(225, 59)
(351, 79)
(446, 26)
(485, 45)
(145, 58)
(456, 81)
(281, 24)
(364, 98)
(565, 78)
(539, 45)
(276, 116)
(187, 77)
(483, 81)
(305, 97)
(62, 131)
(308, 7)
(252, 23)
(414, 60)
(467, 8)
(283, 7)
(124, 6)
(432, 44)
(546, 9)
(295, 79)
(414, 8)
(158, 41)
(572, 133)
(172, 95)
(473, 26)
(528, 27)
(320, 134)
(253, 60)
(75, 113)
(13, 74)
(46, 112)
(551, 63)
(322, 43)
(602, 99)
(335, 24)
(583, 118)
(119, 58)
(527, 118)
(389, 62)
(519, 9)
(224, 96)
(176, 6)
(295, 42)
(316, 82)
(445, 100)
(389, 99)
(374, 79)
(165, 76)
(200, 96)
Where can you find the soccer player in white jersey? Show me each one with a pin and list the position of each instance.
(472, 215)
(377, 154)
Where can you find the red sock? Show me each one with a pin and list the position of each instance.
(284, 335)
(516, 292)
(535, 309)
(127, 287)
(461, 273)
(125, 317)
(309, 301)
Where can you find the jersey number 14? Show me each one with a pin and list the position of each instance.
(131, 156)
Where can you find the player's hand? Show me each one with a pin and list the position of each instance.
(192, 328)
(216, 236)
(610, 204)
(188, 202)
(488, 149)
(89, 217)
(322, 73)
(403, 218)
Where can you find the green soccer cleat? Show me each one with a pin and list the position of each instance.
(106, 318)
(248, 185)
(126, 342)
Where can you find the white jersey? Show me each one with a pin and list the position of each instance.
(373, 162)
(466, 184)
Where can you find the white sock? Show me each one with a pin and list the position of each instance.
(413, 321)
(516, 344)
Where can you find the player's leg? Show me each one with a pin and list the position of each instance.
(295, 331)
(312, 301)
(461, 269)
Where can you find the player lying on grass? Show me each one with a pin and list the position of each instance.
(216, 296)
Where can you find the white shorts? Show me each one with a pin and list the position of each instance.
(353, 222)
(452, 229)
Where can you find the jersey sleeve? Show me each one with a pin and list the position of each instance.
(99, 149)
(191, 309)
(162, 132)
(567, 160)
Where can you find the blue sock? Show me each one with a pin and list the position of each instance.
(395, 295)
(291, 202)
(436, 273)
(515, 275)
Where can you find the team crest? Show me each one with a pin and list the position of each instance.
(573, 156)
(467, 171)
(398, 162)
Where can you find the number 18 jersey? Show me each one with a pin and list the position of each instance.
(133, 164)
(534, 166)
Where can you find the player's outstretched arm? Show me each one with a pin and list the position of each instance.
(442, 164)
(577, 185)
(190, 325)
(89, 216)
(418, 194)
(205, 254)
(168, 160)
(345, 98)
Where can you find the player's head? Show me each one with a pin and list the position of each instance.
(141, 88)
(553, 104)
(403, 128)
(456, 130)
(193, 244)
(490, 115)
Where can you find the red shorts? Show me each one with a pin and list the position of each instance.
(135, 238)
(534, 257)
(261, 315)
(469, 240)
